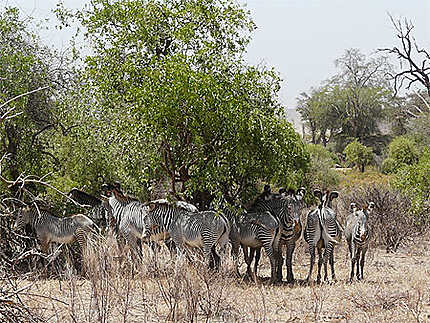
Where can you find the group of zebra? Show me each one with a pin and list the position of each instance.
(272, 222)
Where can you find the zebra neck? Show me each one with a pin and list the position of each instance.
(36, 218)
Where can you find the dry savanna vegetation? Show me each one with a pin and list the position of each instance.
(114, 287)
(158, 95)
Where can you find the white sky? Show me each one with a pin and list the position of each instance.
(299, 38)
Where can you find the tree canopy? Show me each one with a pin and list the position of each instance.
(351, 104)
(166, 96)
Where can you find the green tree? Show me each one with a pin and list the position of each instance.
(30, 76)
(358, 154)
(167, 96)
(321, 173)
(402, 151)
(414, 180)
(351, 104)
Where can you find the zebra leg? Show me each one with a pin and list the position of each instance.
(320, 262)
(333, 274)
(134, 246)
(363, 254)
(279, 263)
(311, 266)
(170, 244)
(289, 262)
(235, 255)
(353, 260)
(248, 259)
(273, 257)
(215, 259)
(358, 256)
(256, 261)
(81, 238)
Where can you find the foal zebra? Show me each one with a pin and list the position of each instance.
(322, 231)
(50, 228)
(358, 233)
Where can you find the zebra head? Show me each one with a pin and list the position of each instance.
(23, 218)
(326, 198)
(292, 208)
(361, 228)
(353, 207)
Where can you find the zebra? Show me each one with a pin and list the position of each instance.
(133, 218)
(254, 230)
(98, 209)
(286, 207)
(204, 230)
(128, 216)
(322, 231)
(358, 233)
(187, 227)
(49, 228)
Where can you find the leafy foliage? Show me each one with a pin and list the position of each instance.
(321, 173)
(358, 154)
(351, 104)
(166, 96)
(403, 150)
(414, 180)
(26, 66)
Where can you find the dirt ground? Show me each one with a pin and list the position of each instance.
(396, 288)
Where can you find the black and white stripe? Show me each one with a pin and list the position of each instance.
(323, 232)
(254, 230)
(286, 207)
(358, 234)
(49, 228)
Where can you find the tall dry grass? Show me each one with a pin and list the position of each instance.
(115, 287)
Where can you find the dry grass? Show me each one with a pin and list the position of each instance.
(396, 288)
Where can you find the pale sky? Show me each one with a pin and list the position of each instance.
(299, 38)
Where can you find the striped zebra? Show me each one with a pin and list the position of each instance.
(286, 206)
(204, 230)
(135, 220)
(98, 209)
(128, 214)
(358, 233)
(49, 228)
(323, 232)
(254, 230)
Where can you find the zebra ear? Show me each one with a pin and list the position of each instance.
(282, 190)
(151, 206)
(371, 206)
(267, 189)
(352, 206)
(117, 185)
(333, 195)
(318, 194)
(291, 192)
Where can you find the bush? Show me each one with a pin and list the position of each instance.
(321, 173)
(414, 180)
(358, 154)
(389, 166)
(392, 222)
(401, 151)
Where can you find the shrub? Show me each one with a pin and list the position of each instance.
(358, 154)
(414, 180)
(401, 151)
(321, 173)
